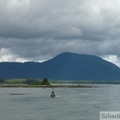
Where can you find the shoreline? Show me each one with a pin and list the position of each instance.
(50, 86)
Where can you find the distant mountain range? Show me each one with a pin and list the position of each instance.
(65, 66)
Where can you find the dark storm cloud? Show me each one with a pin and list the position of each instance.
(51, 19)
(40, 29)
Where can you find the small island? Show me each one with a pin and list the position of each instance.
(44, 83)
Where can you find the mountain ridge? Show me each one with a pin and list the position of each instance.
(65, 66)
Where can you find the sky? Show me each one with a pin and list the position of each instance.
(37, 30)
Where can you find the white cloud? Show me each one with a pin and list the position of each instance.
(7, 56)
(112, 58)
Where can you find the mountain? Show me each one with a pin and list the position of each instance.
(65, 66)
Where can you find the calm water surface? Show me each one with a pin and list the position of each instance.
(69, 104)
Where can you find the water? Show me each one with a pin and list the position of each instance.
(69, 104)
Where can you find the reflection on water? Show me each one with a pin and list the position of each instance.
(69, 103)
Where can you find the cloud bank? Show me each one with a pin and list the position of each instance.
(37, 30)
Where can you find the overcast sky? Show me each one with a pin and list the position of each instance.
(36, 30)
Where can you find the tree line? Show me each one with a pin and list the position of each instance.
(29, 81)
